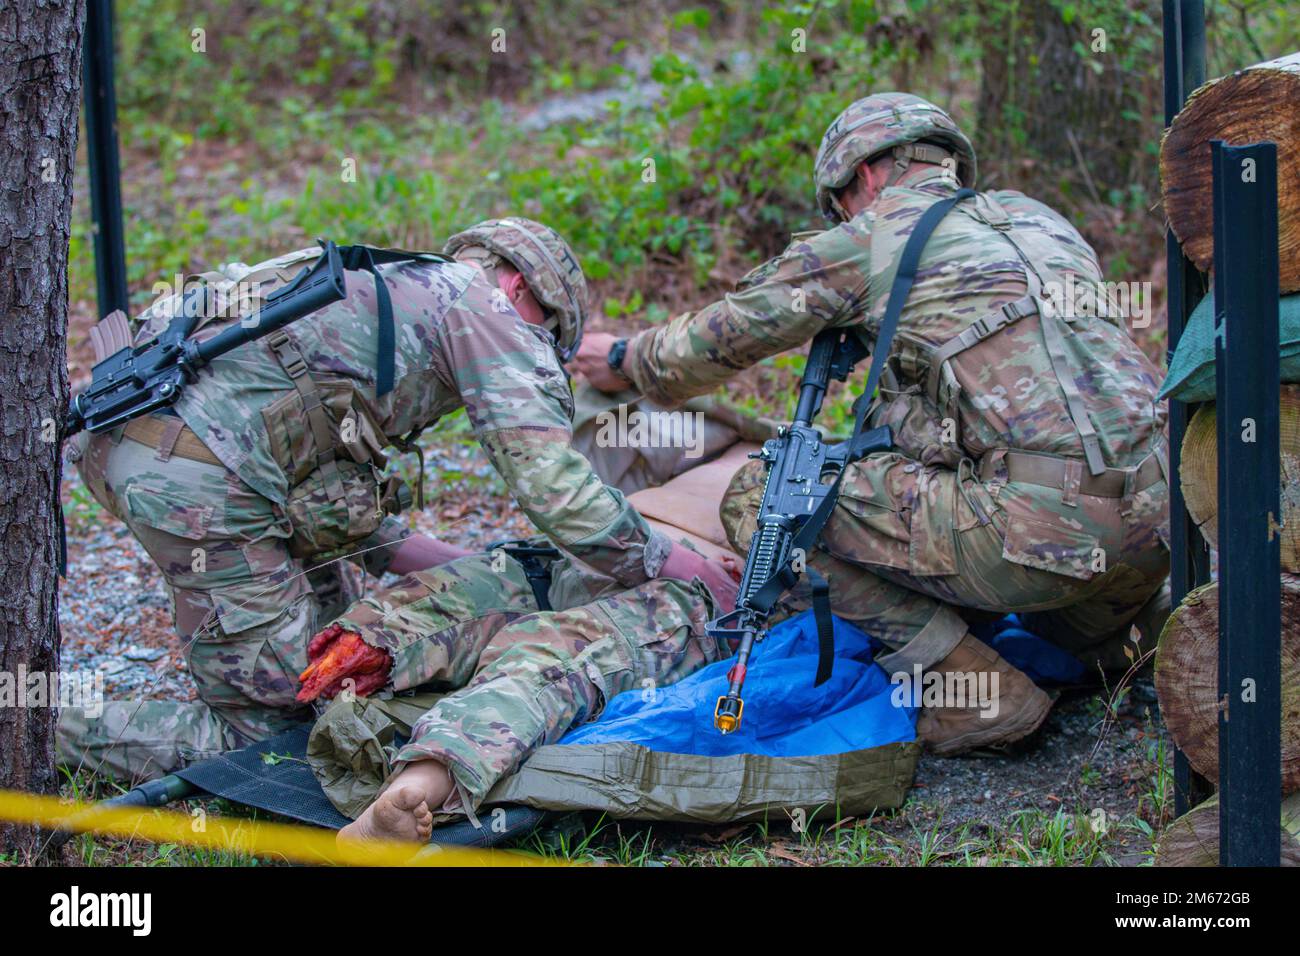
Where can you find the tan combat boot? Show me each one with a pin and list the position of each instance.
(1021, 704)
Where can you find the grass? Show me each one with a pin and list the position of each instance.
(916, 835)
(923, 832)
(87, 849)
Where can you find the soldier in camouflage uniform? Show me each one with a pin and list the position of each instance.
(271, 466)
(1028, 470)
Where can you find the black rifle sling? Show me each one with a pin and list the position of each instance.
(785, 578)
(367, 259)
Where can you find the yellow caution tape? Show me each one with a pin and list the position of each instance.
(298, 844)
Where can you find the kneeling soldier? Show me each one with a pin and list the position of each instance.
(267, 472)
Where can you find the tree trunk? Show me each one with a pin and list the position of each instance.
(1187, 680)
(1249, 106)
(1193, 839)
(1200, 474)
(40, 87)
(1063, 107)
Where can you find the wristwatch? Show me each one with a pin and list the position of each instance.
(617, 352)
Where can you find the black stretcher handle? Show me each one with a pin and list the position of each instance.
(153, 793)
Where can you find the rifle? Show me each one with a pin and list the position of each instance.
(802, 471)
(142, 378)
(803, 480)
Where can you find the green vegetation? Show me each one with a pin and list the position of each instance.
(249, 130)
(917, 835)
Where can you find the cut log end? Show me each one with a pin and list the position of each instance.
(1193, 839)
(1249, 106)
(1199, 470)
(1187, 680)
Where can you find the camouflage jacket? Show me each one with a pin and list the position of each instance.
(458, 344)
(1001, 393)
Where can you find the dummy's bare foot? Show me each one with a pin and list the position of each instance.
(403, 811)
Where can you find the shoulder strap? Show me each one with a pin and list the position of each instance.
(368, 259)
(294, 365)
(899, 290)
(1054, 332)
(861, 442)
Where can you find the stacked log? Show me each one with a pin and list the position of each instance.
(1187, 680)
(1193, 839)
(1249, 106)
(1200, 473)
(1187, 660)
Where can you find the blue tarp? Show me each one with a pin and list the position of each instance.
(785, 716)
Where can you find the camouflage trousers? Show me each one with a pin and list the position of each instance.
(244, 606)
(914, 553)
(513, 677)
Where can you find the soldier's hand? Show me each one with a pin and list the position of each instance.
(592, 362)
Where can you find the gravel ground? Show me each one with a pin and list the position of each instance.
(1060, 767)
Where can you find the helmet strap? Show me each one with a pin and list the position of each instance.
(902, 160)
(923, 152)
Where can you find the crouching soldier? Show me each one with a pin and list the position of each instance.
(1027, 472)
(267, 472)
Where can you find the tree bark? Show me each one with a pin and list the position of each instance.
(1193, 839)
(1249, 106)
(40, 87)
(1200, 474)
(1187, 680)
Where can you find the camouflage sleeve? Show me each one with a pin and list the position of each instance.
(520, 406)
(375, 553)
(818, 282)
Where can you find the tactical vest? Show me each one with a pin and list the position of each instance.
(321, 430)
(932, 365)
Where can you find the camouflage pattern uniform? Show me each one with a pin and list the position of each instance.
(285, 475)
(515, 677)
(1010, 487)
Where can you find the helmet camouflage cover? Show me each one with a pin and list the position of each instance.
(548, 266)
(878, 123)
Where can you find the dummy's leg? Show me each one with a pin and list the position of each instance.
(536, 679)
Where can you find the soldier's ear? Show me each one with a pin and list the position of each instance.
(514, 286)
(856, 194)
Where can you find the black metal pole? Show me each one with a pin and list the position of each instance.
(1184, 60)
(1250, 550)
(101, 149)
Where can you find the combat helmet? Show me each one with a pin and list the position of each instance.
(886, 121)
(548, 265)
